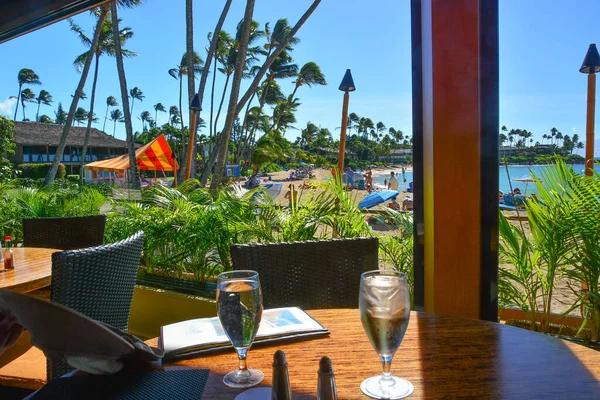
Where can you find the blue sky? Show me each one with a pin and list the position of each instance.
(542, 45)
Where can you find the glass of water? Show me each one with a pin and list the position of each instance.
(384, 303)
(239, 306)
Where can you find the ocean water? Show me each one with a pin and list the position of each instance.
(515, 172)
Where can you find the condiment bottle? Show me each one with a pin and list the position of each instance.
(326, 389)
(8, 254)
(280, 388)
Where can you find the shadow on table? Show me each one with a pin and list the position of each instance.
(488, 360)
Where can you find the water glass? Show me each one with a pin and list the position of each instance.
(384, 302)
(239, 306)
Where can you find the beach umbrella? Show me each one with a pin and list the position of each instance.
(346, 86)
(591, 65)
(377, 197)
(527, 180)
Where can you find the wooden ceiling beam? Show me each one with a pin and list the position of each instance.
(18, 17)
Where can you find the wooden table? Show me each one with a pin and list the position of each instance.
(33, 270)
(443, 357)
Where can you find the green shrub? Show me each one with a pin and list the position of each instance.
(272, 167)
(37, 171)
(73, 178)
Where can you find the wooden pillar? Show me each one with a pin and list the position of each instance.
(456, 130)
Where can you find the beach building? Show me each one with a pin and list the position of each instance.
(396, 156)
(37, 143)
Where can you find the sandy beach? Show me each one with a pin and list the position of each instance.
(322, 175)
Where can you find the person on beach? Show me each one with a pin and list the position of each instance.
(393, 183)
(517, 191)
(394, 205)
(369, 179)
(291, 195)
(350, 175)
(407, 204)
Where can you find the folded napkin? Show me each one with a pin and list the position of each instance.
(86, 344)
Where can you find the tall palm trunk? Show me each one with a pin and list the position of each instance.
(84, 73)
(221, 102)
(90, 120)
(233, 98)
(212, 101)
(114, 128)
(244, 136)
(18, 98)
(133, 170)
(132, 101)
(37, 114)
(204, 77)
(105, 118)
(181, 155)
(191, 76)
(23, 107)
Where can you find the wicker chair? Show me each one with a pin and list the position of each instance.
(97, 282)
(311, 275)
(64, 233)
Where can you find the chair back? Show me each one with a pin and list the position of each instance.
(97, 282)
(64, 233)
(316, 274)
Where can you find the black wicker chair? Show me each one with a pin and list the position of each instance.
(64, 233)
(312, 275)
(97, 282)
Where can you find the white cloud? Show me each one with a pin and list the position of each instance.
(7, 106)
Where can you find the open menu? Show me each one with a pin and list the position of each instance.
(206, 334)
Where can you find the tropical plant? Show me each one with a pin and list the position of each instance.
(110, 102)
(81, 115)
(235, 106)
(178, 73)
(310, 74)
(44, 119)
(136, 93)
(60, 114)
(106, 45)
(27, 96)
(44, 97)
(145, 117)
(133, 169)
(116, 115)
(7, 147)
(158, 107)
(26, 76)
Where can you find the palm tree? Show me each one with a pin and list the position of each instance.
(110, 102)
(579, 146)
(235, 106)
(178, 73)
(69, 121)
(174, 116)
(61, 115)
(44, 119)
(308, 135)
(26, 77)
(136, 93)
(133, 170)
(158, 107)
(145, 117)
(116, 115)
(80, 115)
(310, 74)
(44, 97)
(27, 96)
(106, 45)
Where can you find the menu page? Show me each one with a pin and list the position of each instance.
(207, 332)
